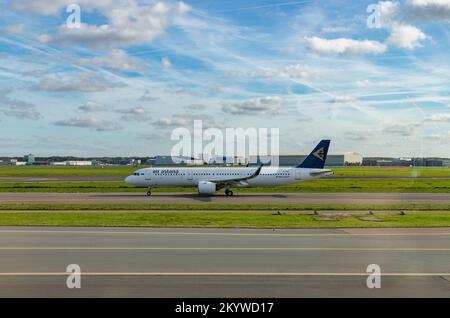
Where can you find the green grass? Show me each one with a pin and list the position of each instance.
(216, 206)
(231, 220)
(395, 185)
(75, 186)
(391, 171)
(52, 171)
(42, 171)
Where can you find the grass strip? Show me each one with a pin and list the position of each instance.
(409, 185)
(218, 220)
(218, 206)
(45, 171)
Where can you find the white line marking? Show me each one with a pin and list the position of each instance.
(216, 274)
(227, 248)
(226, 233)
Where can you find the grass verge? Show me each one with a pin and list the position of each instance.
(409, 185)
(42, 171)
(218, 220)
(216, 206)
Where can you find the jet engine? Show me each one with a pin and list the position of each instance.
(207, 187)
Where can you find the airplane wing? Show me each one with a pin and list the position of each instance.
(224, 182)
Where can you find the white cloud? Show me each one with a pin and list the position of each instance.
(137, 113)
(91, 106)
(97, 124)
(53, 7)
(165, 61)
(172, 121)
(129, 23)
(146, 97)
(80, 82)
(404, 130)
(299, 71)
(406, 36)
(371, 84)
(344, 46)
(388, 10)
(116, 60)
(335, 29)
(440, 117)
(360, 135)
(196, 107)
(253, 73)
(184, 120)
(429, 10)
(183, 8)
(17, 108)
(343, 99)
(12, 29)
(257, 106)
(402, 36)
(438, 137)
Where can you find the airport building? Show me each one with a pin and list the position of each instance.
(431, 162)
(346, 159)
(386, 161)
(161, 160)
(72, 163)
(227, 160)
(79, 163)
(29, 159)
(406, 162)
(15, 162)
(170, 161)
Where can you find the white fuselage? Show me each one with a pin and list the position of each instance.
(269, 176)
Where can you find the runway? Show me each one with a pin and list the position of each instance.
(238, 198)
(132, 262)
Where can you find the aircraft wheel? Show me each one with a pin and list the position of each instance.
(229, 192)
(149, 193)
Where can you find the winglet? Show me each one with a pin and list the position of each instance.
(257, 172)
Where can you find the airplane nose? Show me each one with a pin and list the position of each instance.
(127, 179)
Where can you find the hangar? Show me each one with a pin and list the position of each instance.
(346, 159)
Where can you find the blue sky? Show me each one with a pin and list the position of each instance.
(134, 70)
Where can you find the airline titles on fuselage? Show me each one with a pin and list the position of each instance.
(166, 171)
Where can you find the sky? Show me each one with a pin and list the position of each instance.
(122, 80)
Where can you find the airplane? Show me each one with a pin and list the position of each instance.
(209, 180)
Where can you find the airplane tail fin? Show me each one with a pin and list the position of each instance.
(317, 158)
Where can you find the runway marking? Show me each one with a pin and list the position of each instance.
(226, 234)
(218, 274)
(227, 248)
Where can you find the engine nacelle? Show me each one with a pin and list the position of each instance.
(207, 187)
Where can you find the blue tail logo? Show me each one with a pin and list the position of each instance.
(319, 154)
(316, 159)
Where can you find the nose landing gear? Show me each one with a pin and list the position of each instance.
(149, 191)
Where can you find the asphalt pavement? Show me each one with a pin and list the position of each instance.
(135, 262)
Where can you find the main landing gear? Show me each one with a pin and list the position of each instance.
(228, 192)
(149, 191)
